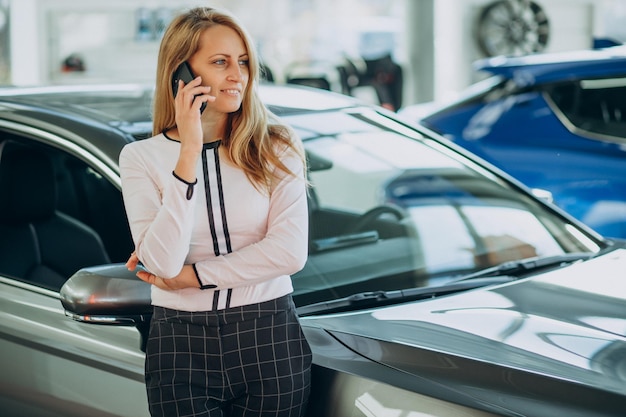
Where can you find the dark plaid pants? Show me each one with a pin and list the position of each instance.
(242, 361)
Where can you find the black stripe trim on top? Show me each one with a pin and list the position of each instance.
(220, 190)
(216, 299)
(229, 294)
(217, 208)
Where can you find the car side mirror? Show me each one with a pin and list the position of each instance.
(108, 294)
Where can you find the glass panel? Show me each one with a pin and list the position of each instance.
(596, 106)
(392, 212)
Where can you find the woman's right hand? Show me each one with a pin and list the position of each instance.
(187, 103)
(189, 126)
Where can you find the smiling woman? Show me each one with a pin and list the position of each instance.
(224, 326)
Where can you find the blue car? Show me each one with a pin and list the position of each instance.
(556, 122)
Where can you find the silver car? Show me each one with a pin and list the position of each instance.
(436, 285)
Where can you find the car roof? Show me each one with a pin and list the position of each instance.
(109, 116)
(559, 66)
(116, 105)
(131, 103)
(286, 99)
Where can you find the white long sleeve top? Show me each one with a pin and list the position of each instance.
(244, 243)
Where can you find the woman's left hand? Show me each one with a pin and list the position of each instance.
(185, 279)
(132, 262)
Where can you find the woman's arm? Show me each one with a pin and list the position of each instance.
(160, 216)
(185, 279)
(283, 250)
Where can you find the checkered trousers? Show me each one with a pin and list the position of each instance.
(243, 361)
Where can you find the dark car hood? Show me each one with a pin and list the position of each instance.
(569, 324)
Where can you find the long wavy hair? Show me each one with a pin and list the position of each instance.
(254, 138)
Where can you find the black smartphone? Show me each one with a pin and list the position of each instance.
(184, 73)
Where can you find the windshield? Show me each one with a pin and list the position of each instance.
(391, 210)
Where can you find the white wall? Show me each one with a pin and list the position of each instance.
(43, 32)
(434, 38)
(25, 55)
(572, 26)
(103, 32)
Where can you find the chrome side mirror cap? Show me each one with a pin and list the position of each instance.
(107, 294)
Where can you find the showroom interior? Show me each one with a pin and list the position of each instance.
(432, 42)
(467, 263)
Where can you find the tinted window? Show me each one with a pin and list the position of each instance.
(596, 106)
(68, 217)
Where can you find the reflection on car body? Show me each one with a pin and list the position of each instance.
(435, 284)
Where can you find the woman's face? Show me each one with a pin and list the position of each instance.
(222, 62)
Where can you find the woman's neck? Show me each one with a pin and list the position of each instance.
(213, 129)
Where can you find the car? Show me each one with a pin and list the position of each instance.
(436, 284)
(555, 121)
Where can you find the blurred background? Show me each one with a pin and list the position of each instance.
(391, 52)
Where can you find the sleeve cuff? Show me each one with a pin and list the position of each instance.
(190, 185)
(202, 286)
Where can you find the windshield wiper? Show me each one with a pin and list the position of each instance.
(499, 274)
(382, 298)
(525, 266)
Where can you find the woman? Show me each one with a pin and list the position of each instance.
(216, 202)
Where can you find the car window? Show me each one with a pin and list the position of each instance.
(388, 209)
(58, 214)
(392, 212)
(595, 106)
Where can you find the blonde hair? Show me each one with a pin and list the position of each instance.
(253, 138)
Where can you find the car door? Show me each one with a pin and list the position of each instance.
(52, 366)
(56, 367)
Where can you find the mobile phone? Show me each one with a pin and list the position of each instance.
(184, 73)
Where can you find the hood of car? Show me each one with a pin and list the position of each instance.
(543, 68)
(568, 324)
